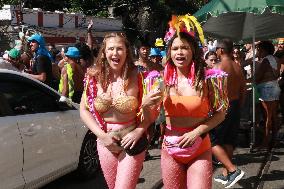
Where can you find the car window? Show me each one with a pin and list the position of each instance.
(5, 108)
(23, 98)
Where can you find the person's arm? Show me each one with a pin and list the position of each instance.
(41, 77)
(219, 105)
(65, 89)
(150, 112)
(61, 64)
(278, 72)
(215, 89)
(243, 87)
(90, 36)
(189, 137)
(90, 121)
(260, 70)
(41, 65)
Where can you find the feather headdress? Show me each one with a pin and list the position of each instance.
(187, 24)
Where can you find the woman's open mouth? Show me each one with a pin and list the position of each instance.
(115, 60)
(180, 59)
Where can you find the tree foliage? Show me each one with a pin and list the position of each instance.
(147, 19)
(9, 2)
(90, 7)
(142, 19)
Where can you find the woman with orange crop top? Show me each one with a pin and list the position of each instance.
(109, 107)
(195, 101)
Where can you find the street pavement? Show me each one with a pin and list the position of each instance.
(273, 173)
(263, 169)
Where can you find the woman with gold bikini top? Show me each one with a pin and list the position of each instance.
(112, 98)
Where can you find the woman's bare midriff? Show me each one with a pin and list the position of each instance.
(183, 122)
(114, 116)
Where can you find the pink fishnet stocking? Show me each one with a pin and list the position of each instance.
(120, 170)
(195, 175)
(199, 172)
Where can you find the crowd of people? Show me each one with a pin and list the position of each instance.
(179, 91)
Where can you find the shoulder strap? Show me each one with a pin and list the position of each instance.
(140, 79)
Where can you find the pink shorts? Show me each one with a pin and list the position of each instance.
(184, 155)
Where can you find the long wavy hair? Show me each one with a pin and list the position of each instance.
(196, 57)
(101, 69)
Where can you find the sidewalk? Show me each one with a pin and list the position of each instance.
(250, 163)
(258, 173)
(151, 173)
(273, 173)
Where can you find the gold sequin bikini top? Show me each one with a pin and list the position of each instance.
(123, 104)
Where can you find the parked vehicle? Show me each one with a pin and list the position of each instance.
(41, 137)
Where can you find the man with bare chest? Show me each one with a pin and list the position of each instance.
(224, 136)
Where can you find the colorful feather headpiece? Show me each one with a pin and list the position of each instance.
(187, 24)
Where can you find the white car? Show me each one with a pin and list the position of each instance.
(41, 138)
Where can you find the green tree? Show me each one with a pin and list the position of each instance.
(145, 19)
(9, 2)
(90, 7)
(49, 5)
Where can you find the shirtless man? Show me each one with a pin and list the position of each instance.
(224, 136)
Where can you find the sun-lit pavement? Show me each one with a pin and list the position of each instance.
(263, 169)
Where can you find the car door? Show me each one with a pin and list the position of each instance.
(47, 131)
(11, 146)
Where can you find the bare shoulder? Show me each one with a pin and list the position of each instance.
(133, 82)
(133, 74)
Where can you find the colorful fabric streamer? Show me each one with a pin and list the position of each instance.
(217, 84)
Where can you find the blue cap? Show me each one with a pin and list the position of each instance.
(73, 52)
(38, 38)
(155, 52)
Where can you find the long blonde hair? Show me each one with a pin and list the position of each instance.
(102, 70)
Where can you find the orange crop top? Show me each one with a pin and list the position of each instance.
(186, 106)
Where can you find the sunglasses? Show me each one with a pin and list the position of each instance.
(33, 41)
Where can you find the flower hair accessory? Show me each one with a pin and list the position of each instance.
(186, 24)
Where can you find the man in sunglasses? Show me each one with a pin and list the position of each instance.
(41, 62)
